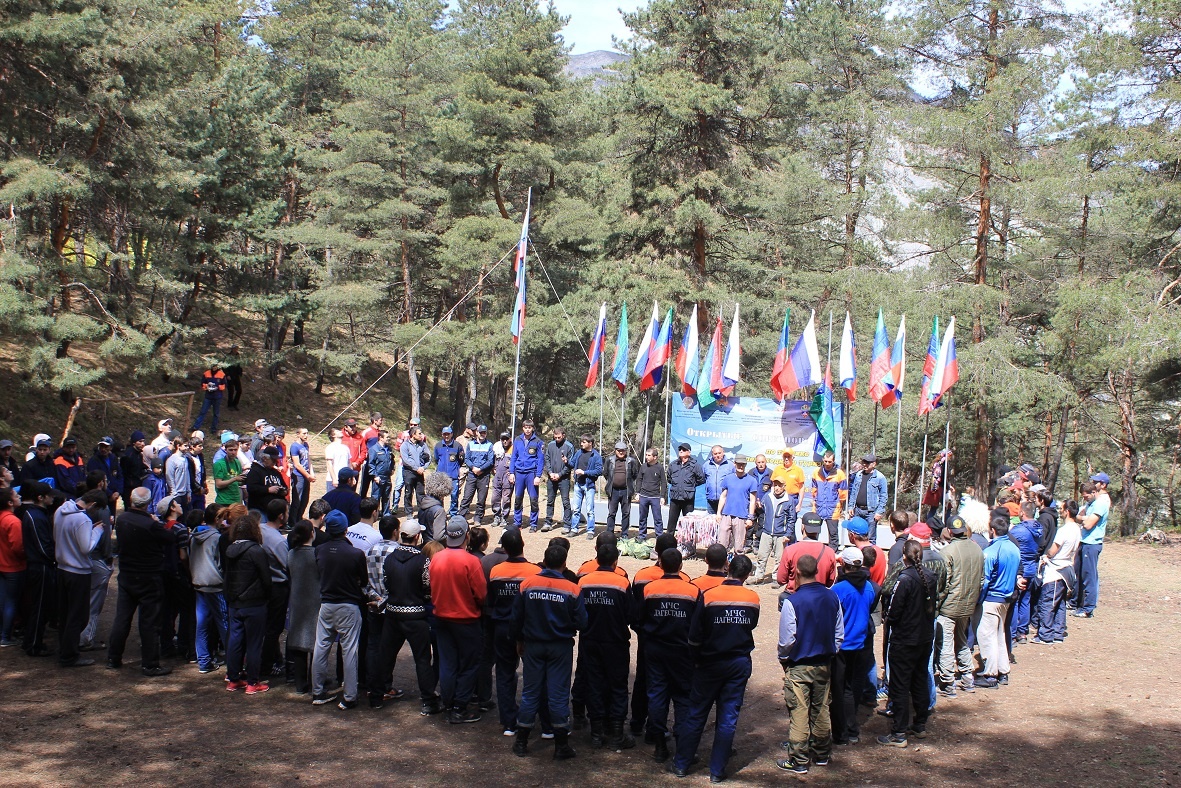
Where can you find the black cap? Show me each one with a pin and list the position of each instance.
(812, 523)
(684, 447)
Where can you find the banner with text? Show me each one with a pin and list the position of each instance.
(750, 426)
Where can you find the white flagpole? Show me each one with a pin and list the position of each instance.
(520, 337)
(602, 374)
(897, 452)
(946, 461)
(667, 382)
(647, 416)
(923, 467)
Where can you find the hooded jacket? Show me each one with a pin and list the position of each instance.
(205, 560)
(407, 583)
(304, 602)
(12, 543)
(911, 609)
(432, 516)
(37, 535)
(858, 596)
(74, 536)
(1026, 536)
(965, 572)
(247, 575)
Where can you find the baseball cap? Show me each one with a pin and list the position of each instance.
(684, 447)
(1101, 477)
(857, 525)
(869, 457)
(457, 529)
(344, 473)
(957, 526)
(482, 428)
(448, 431)
(471, 425)
(1039, 488)
(163, 424)
(43, 440)
(350, 422)
(812, 523)
(505, 435)
(410, 528)
(260, 423)
(271, 451)
(415, 421)
(164, 504)
(39, 437)
(5, 444)
(70, 442)
(228, 436)
(280, 432)
(197, 437)
(335, 523)
(920, 532)
(106, 440)
(620, 446)
(268, 431)
(852, 556)
(741, 459)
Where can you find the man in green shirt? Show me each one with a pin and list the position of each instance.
(228, 476)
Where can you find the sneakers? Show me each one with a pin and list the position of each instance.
(430, 707)
(80, 662)
(457, 717)
(322, 699)
(821, 761)
(545, 529)
(346, 704)
(486, 705)
(156, 671)
(986, 682)
(212, 667)
(947, 690)
(1082, 614)
(114, 664)
(893, 740)
(967, 684)
(257, 689)
(234, 686)
(918, 733)
(795, 767)
(547, 735)
(1040, 642)
(1003, 679)
(394, 694)
(9, 642)
(590, 534)
(509, 732)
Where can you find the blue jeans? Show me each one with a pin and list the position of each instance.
(247, 627)
(460, 647)
(1052, 612)
(1020, 624)
(582, 504)
(522, 486)
(380, 488)
(545, 676)
(212, 619)
(11, 585)
(209, 402)
(1086, 565)
(454, 510)
(651, 504)
(723, 683)
(619, 501)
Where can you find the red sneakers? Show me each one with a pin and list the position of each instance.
(234, 686)
(254, 689)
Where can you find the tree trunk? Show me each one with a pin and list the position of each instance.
(470, 411)
(1082, 244)
(1121, 389)
(435, 390)
(1056, 465)
(323, 353)
(415, 388)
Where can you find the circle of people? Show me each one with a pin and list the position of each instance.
(217, 582)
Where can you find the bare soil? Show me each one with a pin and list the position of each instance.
(1102, 709)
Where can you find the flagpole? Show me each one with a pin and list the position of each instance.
(667, 380)
(602, 374)
(828, 362)
(923, 468)
(946, 461)
(647, 417)
(517, 364)
(622, 402)
(897, 452)
(876, 405)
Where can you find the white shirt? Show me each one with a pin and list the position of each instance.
(338, 457)
(363, 536)
(1067, 538)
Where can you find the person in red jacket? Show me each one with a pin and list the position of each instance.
(826, 559)
(458, 590)
(12, 563)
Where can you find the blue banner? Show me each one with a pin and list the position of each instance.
(750, 426)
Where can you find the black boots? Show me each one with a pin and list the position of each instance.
(619, 738)
(661, 753)
(598, 732)
(562, 749)
(521, 745)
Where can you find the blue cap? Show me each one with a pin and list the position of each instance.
(857, 525)
(448, 431)
(335, 523)
(1101, 477)
(346, 473)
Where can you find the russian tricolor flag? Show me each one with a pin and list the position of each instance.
(596, 348)
(711, 365)
(925, 406)
(947, 369)
(645, 348)
(780, 361)
(518, 324)
(732, 364)
(894, 378)
(848, 361)
(688, 360)
(658, 354)
(803, 365)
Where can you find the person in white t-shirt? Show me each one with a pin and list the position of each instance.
(365, 534)
(1057, 561)
(160, 442)
(338, 457)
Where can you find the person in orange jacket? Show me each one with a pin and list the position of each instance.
(213, 383)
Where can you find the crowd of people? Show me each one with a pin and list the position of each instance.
(218, 561)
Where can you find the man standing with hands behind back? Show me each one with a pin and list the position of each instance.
(870, 494)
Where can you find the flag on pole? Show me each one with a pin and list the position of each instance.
(645, 346)
(619, 367)
(658, 355)
(716, 384)
(705, 389)
(777, 382)
(848, 362)
(518, 322)
(879, 363)
(821, 413)
(688, 359)
(894, 378)
(596, 349)
(947, 370)
(732, 363)
(803, 365)
(925, 405)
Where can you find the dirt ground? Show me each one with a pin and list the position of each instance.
(1101, 709)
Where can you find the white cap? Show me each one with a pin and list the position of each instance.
(410, 528)
(164, 424)
(197, 435)
(852, 555)
(260, 423)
